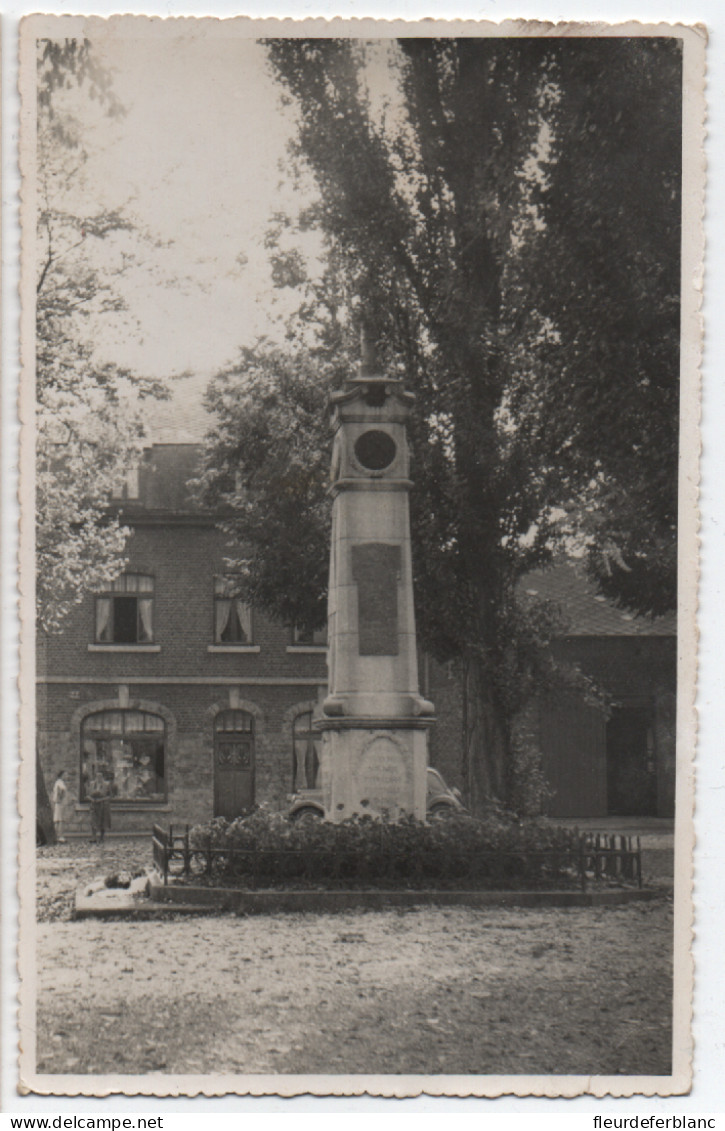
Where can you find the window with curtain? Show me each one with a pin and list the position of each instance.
(305, 754)
(308, 637)
(232, 617)
(124, 614)
(126, 752)
(128, 486)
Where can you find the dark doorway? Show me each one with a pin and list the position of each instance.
(233, 764)
(631, 763)
(573, 742)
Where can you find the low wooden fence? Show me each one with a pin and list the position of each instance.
(584, 859)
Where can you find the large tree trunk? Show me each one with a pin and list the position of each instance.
(485, 745)
(43, 810)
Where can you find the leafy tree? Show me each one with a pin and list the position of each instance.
(88, 425)
(604, 404)
(267, 458)
(506, 213)
(269, 444)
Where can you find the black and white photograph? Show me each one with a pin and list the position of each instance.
(358, 556)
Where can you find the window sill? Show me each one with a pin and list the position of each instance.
(317, 649)
(124, 647)
(233, 648)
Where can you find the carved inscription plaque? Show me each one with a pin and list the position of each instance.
(376, 569)
(381, 777)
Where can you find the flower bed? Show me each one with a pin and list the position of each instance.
(459, 852)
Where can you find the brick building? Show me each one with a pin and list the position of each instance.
(193, 705)
(616, 763)
(622, 764)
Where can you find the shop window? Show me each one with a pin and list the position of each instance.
(305, 754)
(232, 617)
(126, 751)
(125, 614)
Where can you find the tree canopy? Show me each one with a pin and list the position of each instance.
(88, 425)
(506, 212)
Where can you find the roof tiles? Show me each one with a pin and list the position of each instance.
(587, 613)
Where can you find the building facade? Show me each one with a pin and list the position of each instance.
(188, 703)
(192, 705)
(613, 761)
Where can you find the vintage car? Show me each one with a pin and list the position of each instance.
(440, 800)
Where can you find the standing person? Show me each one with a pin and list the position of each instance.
(98, 792)
(58, 797)
(111, 791)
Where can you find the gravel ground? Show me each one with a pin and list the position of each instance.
(428, 990)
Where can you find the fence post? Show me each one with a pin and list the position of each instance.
(187, 853)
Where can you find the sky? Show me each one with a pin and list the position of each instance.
(198, 161)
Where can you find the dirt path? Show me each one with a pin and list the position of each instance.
(431, 990)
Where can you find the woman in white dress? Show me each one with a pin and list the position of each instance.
(58, 800)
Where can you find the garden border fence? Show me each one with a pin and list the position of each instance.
(585, 858)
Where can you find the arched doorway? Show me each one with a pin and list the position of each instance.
(233, 763)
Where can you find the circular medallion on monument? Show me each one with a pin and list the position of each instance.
(375, 450)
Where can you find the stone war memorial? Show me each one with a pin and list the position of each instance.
(374, 722)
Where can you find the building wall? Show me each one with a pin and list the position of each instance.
(186, 681)
(183, 682)
(572, 739)
(572, 735)
(189, 712)
(183, 560)
(625, 665)
(636, 672)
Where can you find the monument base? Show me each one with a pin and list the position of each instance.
(369, 769)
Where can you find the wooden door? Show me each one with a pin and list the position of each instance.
(233, 764)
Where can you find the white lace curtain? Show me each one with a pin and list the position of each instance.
(103, 619)
(232, 617)
(306, 755)
(145, 620)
